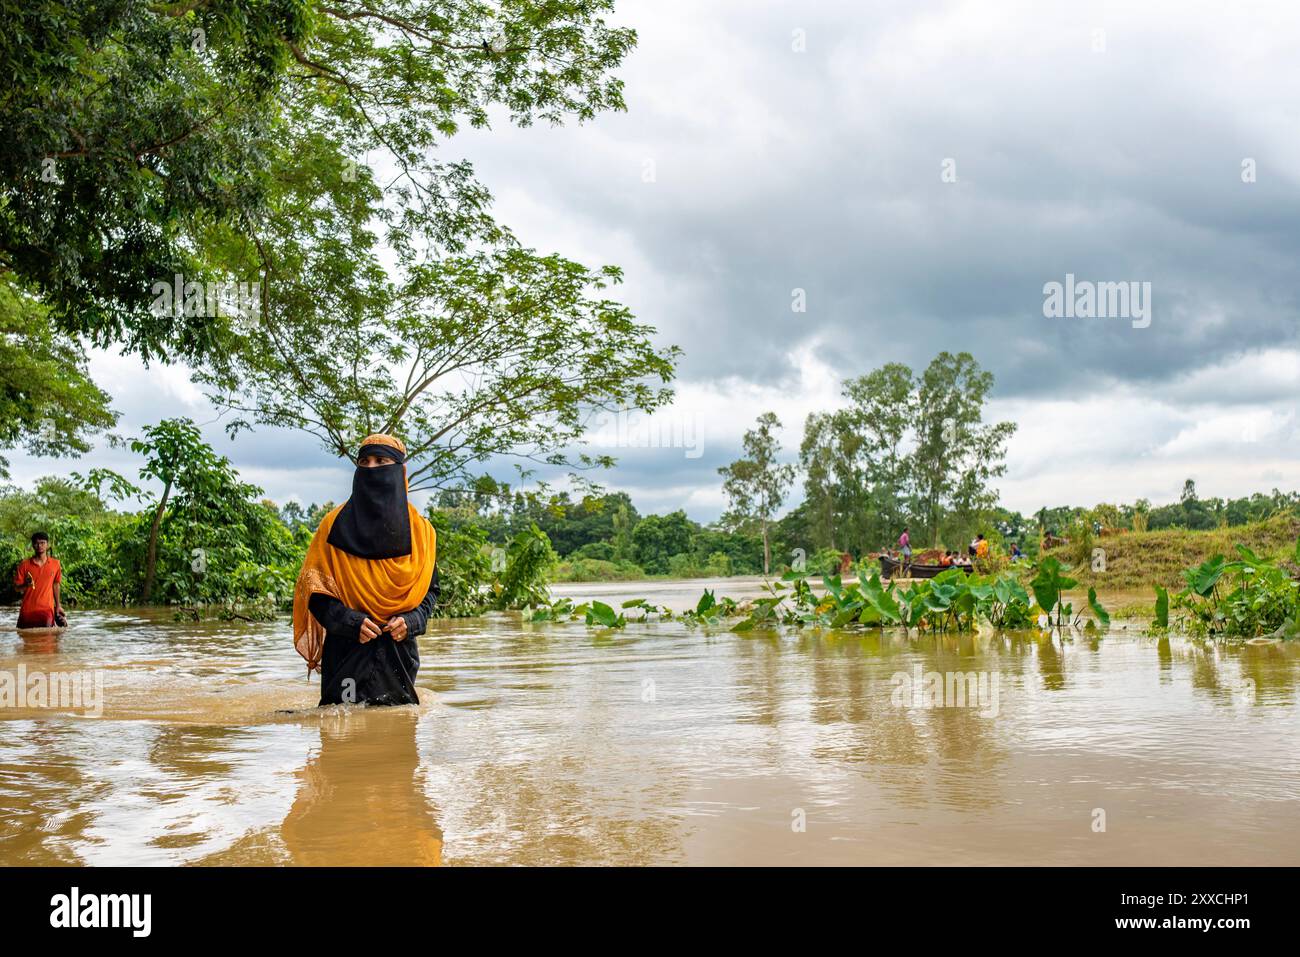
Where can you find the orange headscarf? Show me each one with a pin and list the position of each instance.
(381, 587)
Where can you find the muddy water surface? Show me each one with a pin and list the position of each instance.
(543, 744)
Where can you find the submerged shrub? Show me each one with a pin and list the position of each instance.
(1246, 598)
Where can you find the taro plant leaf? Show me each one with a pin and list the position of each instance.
(1047, 584)
(936, 601)
(601, 614)
(706, 602)
(880, 599)
(1102, 615)
(1162, 608)
(1010, 591)
(1002, 589)
(1250, 557)
(844, 616)
(1205, 576)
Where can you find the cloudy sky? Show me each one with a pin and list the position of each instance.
(919, 171)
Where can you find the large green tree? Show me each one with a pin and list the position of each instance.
(903, 450)
(139, 140)
(834, 490)
(657, 538)
(881, 408)
(203, 501)
(125, 128)
(482, 357)
(856, 468)
(294, 146)
(757, 483)
(956, 455)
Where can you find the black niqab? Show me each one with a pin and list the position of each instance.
(375, 522)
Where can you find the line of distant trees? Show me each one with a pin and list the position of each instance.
(1190, 512)
(907, 449)
(206, 537)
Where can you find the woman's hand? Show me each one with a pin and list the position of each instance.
(369, 630)
(396, 627)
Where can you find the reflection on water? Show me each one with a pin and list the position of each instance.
(360, 798)
(553, 743)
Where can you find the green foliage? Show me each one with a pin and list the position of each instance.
(1102, 616)
(594, 570)
(598, 613)
(499, 353)
(1162, 608)
(523, 581)
(48, 403)
(1004, 603)
(465, 573)
(1245, 598)
(228, 141)
(216, 545)
(683, 565)
(907, 450)
(206, 524)
(756, 485)
(1049, 585)
(951, 601)
(709, 609)
(657, 538)
(145, 139)
(956, 455)
(601, 536)
(126, 128)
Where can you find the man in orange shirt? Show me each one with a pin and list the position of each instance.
(38, 579)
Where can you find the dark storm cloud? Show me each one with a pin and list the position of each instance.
(821, 171)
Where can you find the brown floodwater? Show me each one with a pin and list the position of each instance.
(657, 744)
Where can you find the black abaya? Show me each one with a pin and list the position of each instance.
(381, 671)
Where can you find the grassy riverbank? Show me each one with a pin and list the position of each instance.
(1138, 560)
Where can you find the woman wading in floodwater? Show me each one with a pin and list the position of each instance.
(368, 586)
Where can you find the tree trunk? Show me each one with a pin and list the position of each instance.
(151, 562)
(767, 551)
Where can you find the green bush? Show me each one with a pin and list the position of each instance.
(600, 551)
(464, 567)
(593, 570)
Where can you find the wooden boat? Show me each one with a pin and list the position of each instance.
(890, 568)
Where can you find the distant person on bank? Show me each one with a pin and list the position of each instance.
(39, 579)
(368, 586)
